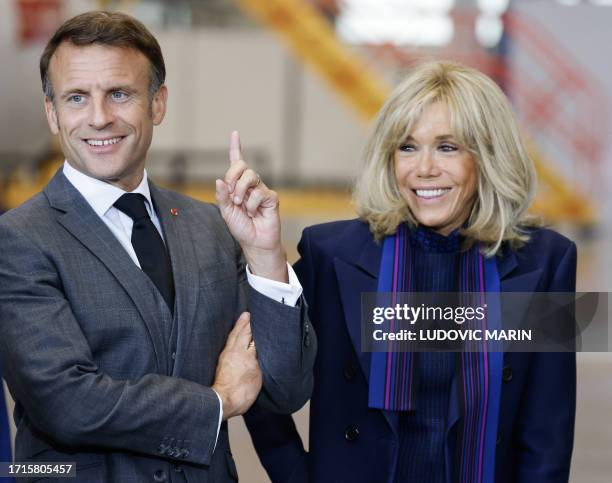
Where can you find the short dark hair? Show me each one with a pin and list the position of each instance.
(114, 29)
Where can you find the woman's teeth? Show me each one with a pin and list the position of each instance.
(432, 193)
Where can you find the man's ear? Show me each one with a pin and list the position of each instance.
(51, 115)
(158, 105)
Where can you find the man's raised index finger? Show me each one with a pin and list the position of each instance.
(235, 153)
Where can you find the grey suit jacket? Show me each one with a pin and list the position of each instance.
(101, 372)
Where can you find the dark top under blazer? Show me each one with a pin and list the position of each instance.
(88, 347)
(350, 442)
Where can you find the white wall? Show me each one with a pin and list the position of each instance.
(582, 33)
(23, 128)
(223, 80)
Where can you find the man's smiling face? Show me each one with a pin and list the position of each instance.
(102, 110)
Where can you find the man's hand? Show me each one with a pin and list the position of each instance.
(238, 377)
(250, 210)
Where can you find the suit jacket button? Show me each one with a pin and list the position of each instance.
(507, 374)
(351, 433)
(159, 476)
(349, 372)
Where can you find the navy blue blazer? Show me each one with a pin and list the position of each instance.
(350, 442)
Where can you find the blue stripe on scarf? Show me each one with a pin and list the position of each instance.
(379, 359)
(496, 361)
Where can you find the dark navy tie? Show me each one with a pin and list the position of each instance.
(148, 245)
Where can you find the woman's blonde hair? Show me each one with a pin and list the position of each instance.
(483, 122)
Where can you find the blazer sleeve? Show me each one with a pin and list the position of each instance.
(546, 417)
(51, 370)
(275, 437)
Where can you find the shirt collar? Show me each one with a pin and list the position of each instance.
(101, 195)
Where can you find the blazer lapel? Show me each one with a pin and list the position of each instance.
(525, 283)
(354, 278)
(84, 224)
(185, 269)
(352, 282)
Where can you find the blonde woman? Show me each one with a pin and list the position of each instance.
(443, 195)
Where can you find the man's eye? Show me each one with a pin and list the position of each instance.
(119, 95)
(407, 148)
(76, 98)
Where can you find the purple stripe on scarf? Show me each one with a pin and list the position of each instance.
(485, 356)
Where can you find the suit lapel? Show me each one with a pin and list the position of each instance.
(84, 224)
(185, 270)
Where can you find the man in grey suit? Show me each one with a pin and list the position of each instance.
(123, 332)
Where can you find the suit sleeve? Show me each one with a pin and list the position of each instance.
(50, 368)
(546, 418)
(275, 437)
(286, 348)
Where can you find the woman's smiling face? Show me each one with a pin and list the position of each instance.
(436, 175)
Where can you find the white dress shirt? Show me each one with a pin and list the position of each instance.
(102, 196)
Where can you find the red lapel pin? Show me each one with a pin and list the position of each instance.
(173, 211)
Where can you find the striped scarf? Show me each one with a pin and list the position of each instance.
(393, 375)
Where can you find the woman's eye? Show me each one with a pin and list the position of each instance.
(407, 148)
(447, 148)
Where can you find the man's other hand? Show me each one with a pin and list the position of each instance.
(238, 377)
